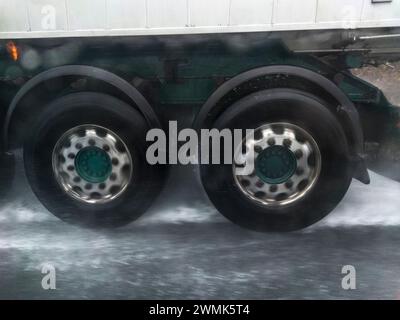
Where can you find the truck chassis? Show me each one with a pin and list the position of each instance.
(81, 107)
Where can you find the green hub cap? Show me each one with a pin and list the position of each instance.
(93, 164)
(275, 165)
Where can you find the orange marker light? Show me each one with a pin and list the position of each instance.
(13, 50)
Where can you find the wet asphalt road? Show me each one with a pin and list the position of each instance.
(184, 249)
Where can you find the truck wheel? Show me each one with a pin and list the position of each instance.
(85, 161)
(7, 173)
(301, 169)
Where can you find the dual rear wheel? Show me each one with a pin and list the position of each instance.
(301, 169)
(85, 161)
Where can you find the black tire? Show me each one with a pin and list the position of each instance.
(7, 173)
(307, 112)
(102, 110)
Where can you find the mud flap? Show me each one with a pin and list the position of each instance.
(360, 170)
(383, 156)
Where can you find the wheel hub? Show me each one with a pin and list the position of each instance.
(275, 165)
(93, 164)
(287, 164)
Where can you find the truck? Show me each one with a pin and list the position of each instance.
(82, 82)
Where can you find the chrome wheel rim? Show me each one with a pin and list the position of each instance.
(92, 164)
(287, 164)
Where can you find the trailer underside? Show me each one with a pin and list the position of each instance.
(186, 70)
(197, 79)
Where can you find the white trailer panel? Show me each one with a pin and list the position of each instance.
(127, 14)
(294, 13)
(39, 8)
(67, 18)
(166, 14)
(251, 12)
